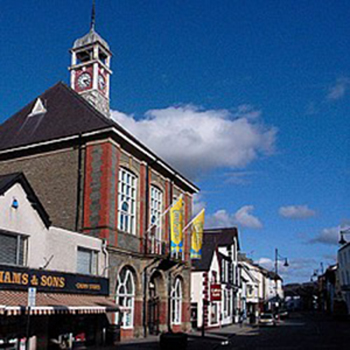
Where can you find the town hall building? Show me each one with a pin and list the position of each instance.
(94, 177)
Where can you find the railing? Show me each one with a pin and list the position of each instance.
(154, 246)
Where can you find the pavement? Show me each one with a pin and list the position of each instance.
(309, 330)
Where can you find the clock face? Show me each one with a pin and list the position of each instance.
(101, 82)
(84, 81)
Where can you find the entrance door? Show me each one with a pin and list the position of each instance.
(153, 316)
(153, 308)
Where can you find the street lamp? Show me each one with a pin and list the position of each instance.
(278, 258)
(342, 241)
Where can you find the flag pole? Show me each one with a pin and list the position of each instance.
(191, 222)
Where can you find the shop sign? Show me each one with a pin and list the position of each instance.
(215, 292)
(20, 278)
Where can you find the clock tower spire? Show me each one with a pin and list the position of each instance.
(90, 68)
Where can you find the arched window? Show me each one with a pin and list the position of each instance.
(176, 302)
(126, 296)
(127, 201)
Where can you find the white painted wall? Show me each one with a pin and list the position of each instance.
(44, 242)
(197, 294)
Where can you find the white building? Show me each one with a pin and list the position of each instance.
(64, 267)
(344, 273)
(217, 270)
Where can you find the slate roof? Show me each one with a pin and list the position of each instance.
(7, 181)
(68, 114)
(212, 239)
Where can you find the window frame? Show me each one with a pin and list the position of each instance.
(93, 254)
(127, 218)
(19, 238)
(128, 298)
(176, 302)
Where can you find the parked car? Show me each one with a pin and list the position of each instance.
(267, 320)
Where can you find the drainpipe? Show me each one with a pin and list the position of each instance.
(105, 252)
(146, 208)
(77, 213)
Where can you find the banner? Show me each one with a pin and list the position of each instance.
(176, 224)
(197, 236)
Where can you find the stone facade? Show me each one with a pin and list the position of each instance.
(54, 176)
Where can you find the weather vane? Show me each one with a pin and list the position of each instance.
(93, 15)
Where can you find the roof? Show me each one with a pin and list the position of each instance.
(90, 38)
(7, 181)
(15, 302)
(221, 236)
(204, 263)
(68, 115)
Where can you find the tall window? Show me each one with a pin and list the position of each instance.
(176, 302)
(12, 249)
(126, 296)
(156, 207)
(87, 261)
(127, 201)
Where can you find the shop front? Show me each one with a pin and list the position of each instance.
(60, 310)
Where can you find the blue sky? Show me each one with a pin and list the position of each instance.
(248, 98)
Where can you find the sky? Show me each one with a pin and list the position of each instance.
(249, 99)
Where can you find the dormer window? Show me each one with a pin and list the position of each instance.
(38, 108)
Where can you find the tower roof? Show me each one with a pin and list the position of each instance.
(90, 38)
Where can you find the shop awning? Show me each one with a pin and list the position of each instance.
(15, 303)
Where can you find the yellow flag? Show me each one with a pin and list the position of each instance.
(176, 222)
(197, 235)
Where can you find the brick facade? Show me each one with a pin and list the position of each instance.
(55, 177)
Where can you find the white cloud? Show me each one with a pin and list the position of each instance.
(242, 218)
(198, 203)
(338, 90)
(196, 140)
(329, 236)
(296, 212)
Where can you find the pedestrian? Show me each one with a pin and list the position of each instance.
(240, 319)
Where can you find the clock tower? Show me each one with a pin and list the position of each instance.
(90, 68)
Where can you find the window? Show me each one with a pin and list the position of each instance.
(12, 249)
(156, 208)
(126, 296)
(176, 302)
(127, 201)
(87, 261)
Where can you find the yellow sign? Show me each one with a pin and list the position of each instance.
(197, 236)
(176, 222)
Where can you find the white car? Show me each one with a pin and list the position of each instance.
(267, 320)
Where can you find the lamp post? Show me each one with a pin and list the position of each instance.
(278, 258)
(342, 241)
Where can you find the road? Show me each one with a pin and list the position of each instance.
(300, 331)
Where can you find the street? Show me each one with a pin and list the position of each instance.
(300, 331)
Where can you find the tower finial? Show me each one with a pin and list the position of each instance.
(93, 15)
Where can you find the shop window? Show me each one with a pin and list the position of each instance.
(12, 249)
(127, 201)
(176, 302)
(126, 297)
(87, 261)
